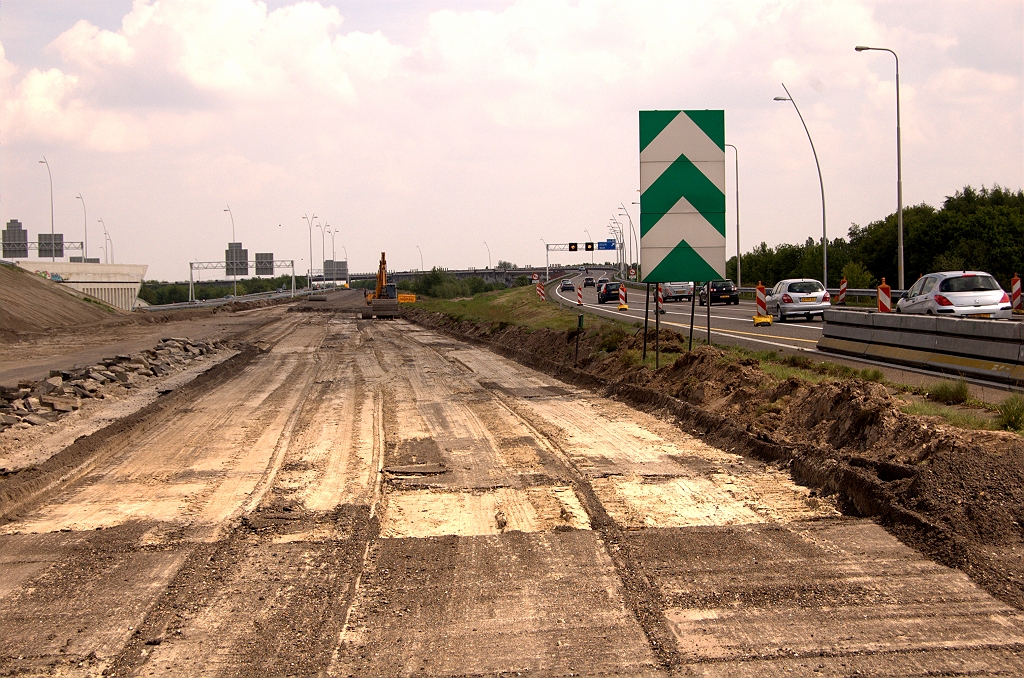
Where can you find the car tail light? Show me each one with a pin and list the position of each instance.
(786, 299)
(1005, 299)
(826, 297)
(942, 301)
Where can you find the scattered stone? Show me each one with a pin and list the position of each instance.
(35, 420)
(9, 419)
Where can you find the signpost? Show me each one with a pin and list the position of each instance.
(682, 197)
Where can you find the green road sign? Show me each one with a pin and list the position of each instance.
(682, 195)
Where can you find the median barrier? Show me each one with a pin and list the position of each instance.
(993, 349)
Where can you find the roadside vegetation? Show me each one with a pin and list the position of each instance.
(158, 292)
(974, 230)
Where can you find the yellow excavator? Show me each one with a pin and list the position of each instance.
(383, 301)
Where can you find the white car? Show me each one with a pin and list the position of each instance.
(677, 291)
(798, 297)
(974, 294)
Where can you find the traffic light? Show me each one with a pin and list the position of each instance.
(589, 247)
(573, 247)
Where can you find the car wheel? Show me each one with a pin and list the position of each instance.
(778, 312)
(899, 310)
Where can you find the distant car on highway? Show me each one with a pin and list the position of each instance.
(723, 291)
(588, 282)
(601, 280)
(972, 294)
(608, 291)
(798, 297)
(566, 286)
(677, 291)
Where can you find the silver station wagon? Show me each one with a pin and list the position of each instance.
(974, 294)
(798, 297)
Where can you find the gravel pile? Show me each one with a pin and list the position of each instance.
(42, 402)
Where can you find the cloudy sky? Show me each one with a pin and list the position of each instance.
(448, 124)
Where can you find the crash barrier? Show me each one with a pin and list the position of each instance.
(540, 291)
(622, 298)
(762, 299)
(579, 295)
(884, 298)
(842, 293)
(1015, 298)
(990, 349)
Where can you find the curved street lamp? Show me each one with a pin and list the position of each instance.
(824, 236)
(488, 254)
(309, 278)
(323, 252)
(899, 159)
(106, 237)
(634, 241)
(85, 218)
(738, 276)
(421, 256)
(53, 251)
(234, 266)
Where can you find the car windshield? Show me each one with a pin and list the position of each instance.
(612, 286)
(805, 287)
(721, 284)
(969, 283)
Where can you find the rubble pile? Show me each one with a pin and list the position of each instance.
(42, 402)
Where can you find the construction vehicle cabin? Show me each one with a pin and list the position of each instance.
(384, 299)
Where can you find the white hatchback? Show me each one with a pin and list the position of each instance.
(798, 297)
(974, 294)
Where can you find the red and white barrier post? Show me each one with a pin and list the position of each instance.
(762, 299)
(884, 298)
(842, 292)
(540, 291)
(660, 299)
(622, 298)
(1016, 300)
(579, 295)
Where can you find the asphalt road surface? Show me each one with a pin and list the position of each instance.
(729, 324)
(369, 498)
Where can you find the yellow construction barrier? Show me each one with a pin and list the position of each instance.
(406, 298)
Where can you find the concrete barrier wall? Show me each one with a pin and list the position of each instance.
(993, 349)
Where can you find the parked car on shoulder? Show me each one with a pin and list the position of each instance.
(972, 294)
(677, 291)
(608, 291)
(589, 282)
(566, 286)
(723, 291)
(798, 297)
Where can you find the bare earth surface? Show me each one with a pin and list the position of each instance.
(370, 498)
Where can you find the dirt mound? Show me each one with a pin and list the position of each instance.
(957, 495)
(30, 303)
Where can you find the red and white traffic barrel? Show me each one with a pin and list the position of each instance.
(1015, 297)
(622, 297)
(842, 292)
(884, 298)
(540, 291)
(579, 295)
(661, 300)
(762, 299)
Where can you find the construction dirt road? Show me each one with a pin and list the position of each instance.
(371, 498)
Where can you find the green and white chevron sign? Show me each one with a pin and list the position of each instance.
(682, 195)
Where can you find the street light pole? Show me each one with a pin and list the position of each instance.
(488, 254)
(106, 237)
(53, 252)
(738, 276)
(899, 160)
(591, 240)
(309, 278)
(547, 265)
(85, 218)
(234, 266)
(633, 238)
(421, 256)
(345, 250)
(821, 183)
(323, 252)
(334, 265)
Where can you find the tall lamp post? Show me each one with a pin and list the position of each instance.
(488, 254)
(591, 240)
(421, 256)
(53, 251)
(899, 160)
(824, 235)
(334, 265)
(739, 277)
(234, 266)
(106, 237)
(345, 250)
(323, 252)
(633, 238)
(309, 279)
(85, 218)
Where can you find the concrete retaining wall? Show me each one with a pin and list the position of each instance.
(991, 349)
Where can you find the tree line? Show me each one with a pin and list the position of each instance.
(156, 292)
(975, 229)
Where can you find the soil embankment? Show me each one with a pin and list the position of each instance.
(957, 495)
(30, 303)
